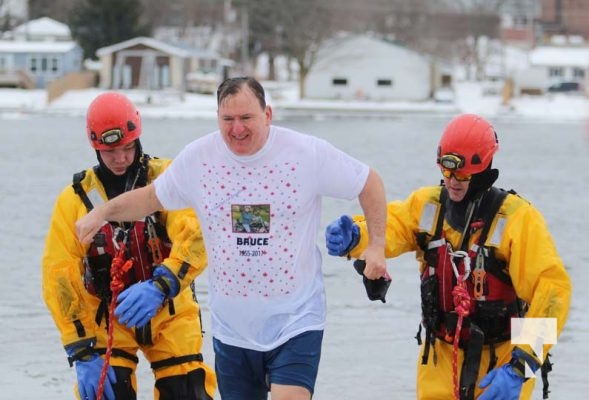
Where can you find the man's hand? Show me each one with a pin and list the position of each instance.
(376, 289)
(88, 225)
(376, 266)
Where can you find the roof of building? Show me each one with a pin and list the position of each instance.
(43, 26)
(560, 56)
(147, 41)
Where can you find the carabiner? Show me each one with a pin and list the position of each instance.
(119, 236)
(465, 259)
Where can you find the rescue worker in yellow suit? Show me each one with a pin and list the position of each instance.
(157, 310)
(486, 256)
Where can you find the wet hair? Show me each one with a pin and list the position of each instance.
(232, 86)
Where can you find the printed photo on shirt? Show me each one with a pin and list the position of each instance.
(250, 218)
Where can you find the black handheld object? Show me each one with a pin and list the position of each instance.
(376, 289)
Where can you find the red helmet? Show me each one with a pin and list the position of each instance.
(112, 120)
(467, 144)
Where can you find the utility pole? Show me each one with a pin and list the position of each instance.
(245, 57)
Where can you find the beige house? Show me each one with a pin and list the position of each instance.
(147, 63)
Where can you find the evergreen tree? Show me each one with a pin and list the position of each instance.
(98, 23)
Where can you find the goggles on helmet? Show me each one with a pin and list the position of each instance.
(452, 161)
(449, 163)
(112, 136)
(449, 173)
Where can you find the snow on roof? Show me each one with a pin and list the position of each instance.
(560, 56)
(15, 46)
(43, 26)
(147, 41)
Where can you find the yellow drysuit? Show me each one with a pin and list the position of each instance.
(519, 236)
(175, 329)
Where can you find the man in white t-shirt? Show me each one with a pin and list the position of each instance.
(266, 290)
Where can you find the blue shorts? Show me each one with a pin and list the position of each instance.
(248, 374)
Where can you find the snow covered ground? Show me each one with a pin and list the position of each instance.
(468, 97)
(369, 350)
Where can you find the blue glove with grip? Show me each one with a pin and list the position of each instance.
(502, 383)
(88, 373)
(341, 236)
(140, 302)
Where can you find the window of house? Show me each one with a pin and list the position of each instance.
(339, 82)
(54, 65)
(6, 62)
(384, 82)
(47, 65)
(33, 65)
(555, 72)
(520, 21)
(578, 73)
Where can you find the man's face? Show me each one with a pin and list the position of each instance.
(243, 123)
(119, 158)
(456, 189)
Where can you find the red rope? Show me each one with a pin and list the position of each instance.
(462, 303)
(118, 269)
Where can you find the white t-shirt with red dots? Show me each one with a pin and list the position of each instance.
(260, 216)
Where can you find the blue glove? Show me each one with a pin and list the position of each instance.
(502, 383)
(88, 373)
(140, 302)
(341, 236)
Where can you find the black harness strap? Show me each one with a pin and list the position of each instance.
(490, 205)
(119, 353)
(102, 312)
(545, 369)
(493, 201)
(430, 336)
(168, 362)
(79, 328)
(77, 185)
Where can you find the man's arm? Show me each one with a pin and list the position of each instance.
(129, 206)
(373, 203)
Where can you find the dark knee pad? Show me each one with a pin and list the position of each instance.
(186, 387)
(124, 387)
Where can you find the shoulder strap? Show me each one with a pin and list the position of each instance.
(77, 185)
(493, 201)
(143, 173)
(492, 205)
(441, 213)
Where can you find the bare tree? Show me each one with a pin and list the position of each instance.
(56, 9)
(184, 13)
(483, 18)
(287, 27)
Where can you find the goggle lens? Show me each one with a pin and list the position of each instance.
(449, 173)
(112, 136)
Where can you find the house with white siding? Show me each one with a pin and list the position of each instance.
(553, 65)
(561, 64)
(366, 68)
